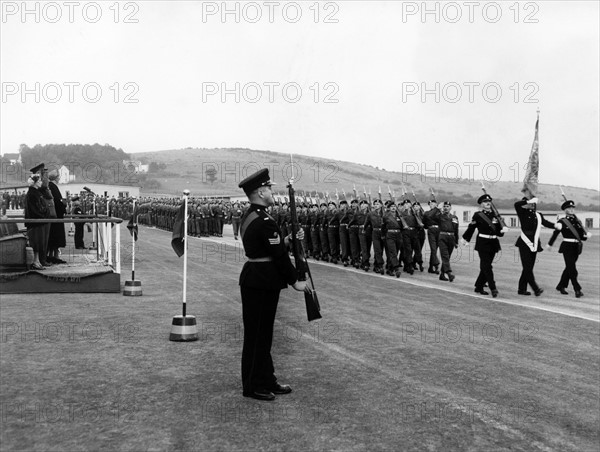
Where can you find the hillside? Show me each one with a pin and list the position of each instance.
(187, 168)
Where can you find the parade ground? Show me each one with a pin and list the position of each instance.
(412, 363)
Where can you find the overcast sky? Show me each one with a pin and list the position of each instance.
(452, 91)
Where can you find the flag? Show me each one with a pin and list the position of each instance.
(178, 232)
(133, 225)
(530, 183)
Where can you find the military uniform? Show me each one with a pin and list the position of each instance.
(529, 244)
(410, 239)
(267, 271)
(487, 245)
(448, 240)
(373, 222)
(393, 238)
(431, 223)
(571, 247)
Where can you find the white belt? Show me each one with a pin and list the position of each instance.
(485, 236)
(571, 240)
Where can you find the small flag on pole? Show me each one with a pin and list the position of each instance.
(530, 183)
(178, 232)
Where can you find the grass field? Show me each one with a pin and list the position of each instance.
(395, 364)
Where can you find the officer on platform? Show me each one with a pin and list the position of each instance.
(267, 271)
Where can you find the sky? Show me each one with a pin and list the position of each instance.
(450, 89)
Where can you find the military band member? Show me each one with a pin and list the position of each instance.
(573, 234)
(448, 239)
(267, 271)
(430, 221)
(529, 243)
(487, 244)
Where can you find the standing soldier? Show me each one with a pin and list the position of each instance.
(267, 271)
(448, 239)
(353, 232)
(323, 227)
(573, 235)
(529, 243)
(344, 232)
(304, 224)
(431, 223)
(374, 223)
(313, 221)
(487, 244)
(236, 217)
(333, 231)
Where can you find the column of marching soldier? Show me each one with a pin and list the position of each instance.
(387, 238)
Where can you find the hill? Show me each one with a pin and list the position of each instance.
(208, 172)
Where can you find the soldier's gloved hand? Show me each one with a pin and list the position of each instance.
(300, 286)
(463, 242)
(504, 230)
(533, 201)
(300, 234)
(588, 235)
(558, 226)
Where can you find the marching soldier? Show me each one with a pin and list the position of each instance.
(430, 221)
(393, 238)
(365, 236)
(374, 223)
(529, 243)
(410, 238)
(487, 243)
(448, 239)
(571, 247)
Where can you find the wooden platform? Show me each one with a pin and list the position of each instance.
(82, 273)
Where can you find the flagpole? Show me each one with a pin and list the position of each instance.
(132, 288)
(185, 254)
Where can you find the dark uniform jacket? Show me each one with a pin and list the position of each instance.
(448, 223)
(573, 242)
(530, 226)
(431, 217)
(261, 237)
(35, 207)
(485, 223)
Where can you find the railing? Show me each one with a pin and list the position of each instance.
(102, 234)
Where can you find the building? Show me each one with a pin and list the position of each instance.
(13, 157)
(65, 175)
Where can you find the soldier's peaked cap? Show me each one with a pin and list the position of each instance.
(567, 204)
(259, 179)
(37, 168)
(484, 198)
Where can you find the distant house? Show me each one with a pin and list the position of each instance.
(65, 175)
(135, 166)
(13, 158)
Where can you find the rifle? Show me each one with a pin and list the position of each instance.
(432, 192)
(419, 215)
(412, 209)
(562, 192)
(391, 196)
(494, 210)
(369, 197)
(310, 297)
(354, 190)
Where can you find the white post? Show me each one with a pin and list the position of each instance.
(118, 247)
(133, 242)
(185, 251)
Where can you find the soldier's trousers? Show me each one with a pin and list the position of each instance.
(258, 313)
(486, 273)
(315, 242)
(394, 244)
(365, 246)
(410, 245)
(333, 234)
(528, 259)
(306, 240)
(353, 237)
(235, 222)
(433, 238)
(377, 248)
(324, 241)
(570, 272)
(446, 243)
(344, 242)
